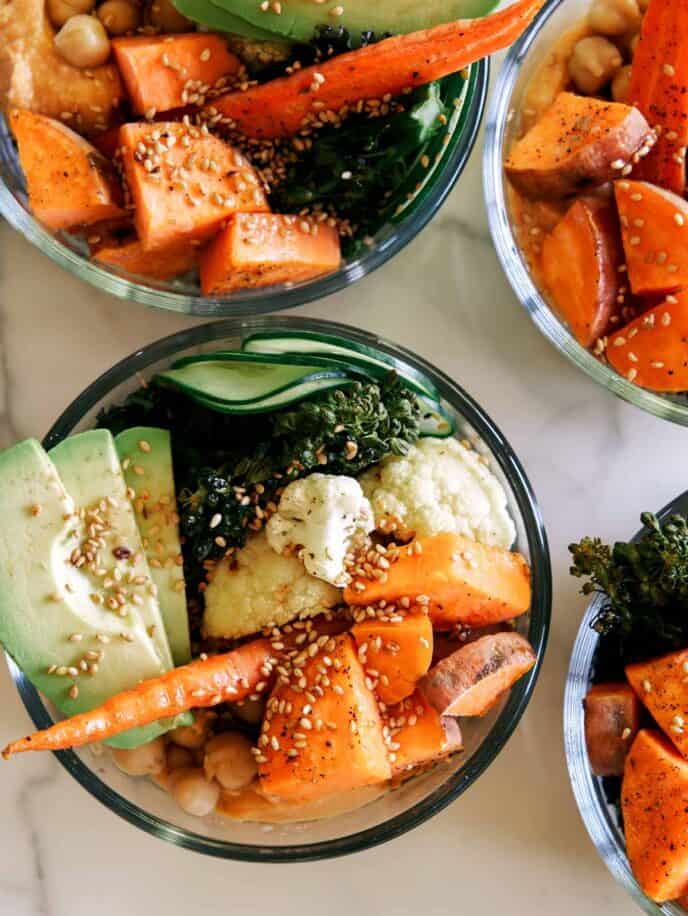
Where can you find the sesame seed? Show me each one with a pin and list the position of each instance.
(337, 11)
(215, 520)
(647, 686)
(73, 692)
(668, 70)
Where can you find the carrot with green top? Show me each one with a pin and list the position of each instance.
(231, 677)
(284, 106)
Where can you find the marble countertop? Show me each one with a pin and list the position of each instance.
(514, 843)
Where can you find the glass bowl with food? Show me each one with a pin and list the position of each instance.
(299, 589)
(223, 158)
(584, 172)
(626, 707)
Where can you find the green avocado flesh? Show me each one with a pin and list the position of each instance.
(299, 19)
(46, 601)
(220, 20)
(146, 457)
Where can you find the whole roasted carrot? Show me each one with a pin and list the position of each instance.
(283, 107)
(221, 678)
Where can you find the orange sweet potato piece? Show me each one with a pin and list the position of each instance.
(183, 183)
(612, 720)
(257, 250)
(447, 642)
(461, 581)
(659, 88)
(652, 350)
(396, 655)
(662, 686)
(580, 266)
(419, 735)
(325, 744)
(127, 254)
(165, 72)
(654, 801)
(471, 680)
(69, 182)
(578, 144)
(654, 224)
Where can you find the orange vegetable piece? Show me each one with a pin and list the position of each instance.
(659, 88)
(422, 735)
(221, 678)
(612, 720)
(128, 255)
(654, 801)
(580, 266)
(472, 680)
(257, 249)
(165, 72)
(325, 744)
(653, 224)
(462, 581)
(173, 206)
(282, 107)
(69, 182)
(396, 654)
(652, 350)
(662, 687)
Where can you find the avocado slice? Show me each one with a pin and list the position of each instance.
(145, 454)
(221, 20)
(49, 621)
(297, 20)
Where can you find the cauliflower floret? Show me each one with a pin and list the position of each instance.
(440, 486)
(259, 588)
(321, 515)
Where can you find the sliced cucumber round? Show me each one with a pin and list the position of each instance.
(435, 422)
(287, 397)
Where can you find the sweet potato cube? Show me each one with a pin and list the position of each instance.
(612, 720)
(662, 687)
(419, 734)
(127, 255)
(396, 655)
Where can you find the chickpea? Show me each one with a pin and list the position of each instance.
(594, 62)
(179, 758)
(621, 84)
(633, 45)
(193, 736)
(614, 17)
(164, 16)
(119, 16)
(146, 760)
(82, 42)
(229, 760)
(193, 792)
(60, 11)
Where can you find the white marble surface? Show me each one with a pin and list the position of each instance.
(514, 844)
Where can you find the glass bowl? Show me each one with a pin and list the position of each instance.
(422, 194)
(522, 61)
(142, 803)
(600, 818)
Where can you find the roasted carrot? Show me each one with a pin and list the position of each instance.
(654, 801)
(162, 72)
(659, 88)
(261, 249)
(652, 350)
(395, 655)
(460, 580)
(579, 143)
(70, 183)
(472, 680)
(580, 267)
(662, 687)
(322, 733)
(221, 678)
(419, 735)
(283, 107)
(654, 223)
(127, 255)
(612, 720)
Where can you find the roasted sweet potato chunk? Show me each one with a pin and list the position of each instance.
(612, 720)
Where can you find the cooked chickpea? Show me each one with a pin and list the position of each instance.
(193, 736)
(82, 42)
(179, 758)
(633, 44)
(60, 11)
(229, 760)
(165, 17)
(146, 760)
(621, 84)
(119, 16)
(594, 62)
(193, 792)
(614, 17)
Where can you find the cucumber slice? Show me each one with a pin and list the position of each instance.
(285, 398)
(337, 348)
(435, 422)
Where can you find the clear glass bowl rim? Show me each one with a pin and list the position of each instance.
(587, 789)
(540, 612)
(257, 302)
(508, 251)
